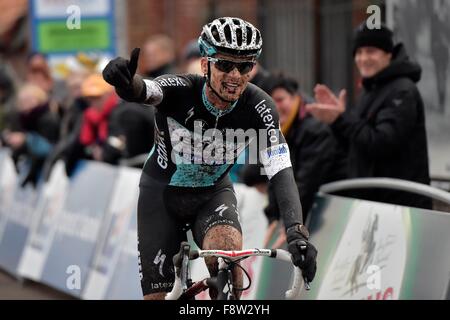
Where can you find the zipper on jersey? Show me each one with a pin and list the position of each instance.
(217, 118)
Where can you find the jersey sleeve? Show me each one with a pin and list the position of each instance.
(162, 91)
(273, 150)
(274, 156)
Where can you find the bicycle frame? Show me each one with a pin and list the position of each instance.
(224, 277)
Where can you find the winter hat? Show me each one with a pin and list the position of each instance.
(379, 38)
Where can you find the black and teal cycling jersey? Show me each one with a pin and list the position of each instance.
(196, 144)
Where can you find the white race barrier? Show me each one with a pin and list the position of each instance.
(17, 206)
(115, 242)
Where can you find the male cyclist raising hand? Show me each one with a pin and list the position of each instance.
(185, 183)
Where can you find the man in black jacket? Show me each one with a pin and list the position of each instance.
(385, 132)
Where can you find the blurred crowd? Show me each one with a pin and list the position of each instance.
(76, 114)
(79, 116)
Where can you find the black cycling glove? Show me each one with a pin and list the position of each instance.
(121, 73)
(303, 253)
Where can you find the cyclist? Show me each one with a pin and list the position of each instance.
(181, 189)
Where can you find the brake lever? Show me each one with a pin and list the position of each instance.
(305, 281)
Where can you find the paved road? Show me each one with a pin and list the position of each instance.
(11, 288)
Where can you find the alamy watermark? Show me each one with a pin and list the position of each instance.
(215, 146)
(73, 21)
(373, 281)
(374, 20)
(73, 281)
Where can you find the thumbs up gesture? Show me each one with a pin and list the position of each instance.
(120, 73)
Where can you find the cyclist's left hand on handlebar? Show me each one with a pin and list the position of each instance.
(303, 253)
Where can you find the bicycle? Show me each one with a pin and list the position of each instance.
(185, 289)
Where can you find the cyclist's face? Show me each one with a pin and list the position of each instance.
(229, 85)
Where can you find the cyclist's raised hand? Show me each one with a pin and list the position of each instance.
(120, 73)
(303, 253)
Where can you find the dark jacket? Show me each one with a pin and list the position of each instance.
(168, 68)
(42, 131)
(385, 132)
(69, 147)
(260, 78)
(133, 123)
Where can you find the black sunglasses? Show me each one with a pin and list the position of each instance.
(227, 65)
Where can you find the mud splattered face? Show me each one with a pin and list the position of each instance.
(229, 75)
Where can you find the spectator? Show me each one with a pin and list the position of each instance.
(385, 132)
(39, 131)
(7, 95)
(69, 148)
(158, 56)
(39, 74)
(128, 137)
(190, 62)
(94, 127)
(76, 102)
(259, 75)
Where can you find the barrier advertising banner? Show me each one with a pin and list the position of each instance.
(78, 228)
(114, 237)
(8, 182)
(376, 251)
(47, 211)
(16, 215)
(125, 282)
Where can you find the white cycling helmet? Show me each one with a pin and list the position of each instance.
(230, 36)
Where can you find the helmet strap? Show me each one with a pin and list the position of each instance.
(208, 78)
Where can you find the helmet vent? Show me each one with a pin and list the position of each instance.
(249, 35)
(239, 37)
(227, 31)
(215, 33)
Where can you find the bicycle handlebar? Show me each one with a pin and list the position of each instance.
(279, 254)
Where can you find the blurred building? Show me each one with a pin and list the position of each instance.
(310, 39)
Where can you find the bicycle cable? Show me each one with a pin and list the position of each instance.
(236, 262)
